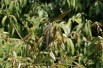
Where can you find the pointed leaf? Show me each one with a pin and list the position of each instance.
(4, 19)
(52, 55)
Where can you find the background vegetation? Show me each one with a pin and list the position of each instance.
(51, 33)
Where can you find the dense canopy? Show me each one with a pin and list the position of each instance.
(51, 33)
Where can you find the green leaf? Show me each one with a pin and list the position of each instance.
(88, 29)
(74, 3)
(14, 18)
(97, 8)
(98, 65)
(8, 48)
(1, 51)
(17, 47)
(21, 3)
(14, 54)
(11, 5)
(52, 55)
(41, 12)
(78, 20)
(79, 27)
(102, 57)
(7, 1)
(70, 46)
(13, 30)
(24, 2)
(66, 26)
(4, 19)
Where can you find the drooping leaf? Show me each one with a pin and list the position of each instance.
(52, 55)
(70, 46)
(97, 8)
(66, 26)
(4, 19)
(88, 29)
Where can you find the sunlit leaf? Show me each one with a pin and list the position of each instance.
(66, 26)
(25, 2)
(11, 5)
(88, 28)
(4, 19)
(7, 1)
(79, 27)
(14, 53)
(52, 55)
(70, 46)
(14, 18)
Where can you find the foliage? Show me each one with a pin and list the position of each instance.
(51, 33)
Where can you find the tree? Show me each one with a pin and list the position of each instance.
(51, 33)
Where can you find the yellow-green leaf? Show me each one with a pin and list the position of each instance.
(4, 19)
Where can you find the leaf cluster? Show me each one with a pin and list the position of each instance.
(51, 34)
